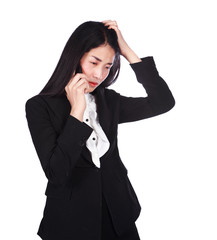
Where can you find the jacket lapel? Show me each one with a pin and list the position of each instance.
(103, 111)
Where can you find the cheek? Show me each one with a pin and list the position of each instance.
(85, 69)
(105, 74)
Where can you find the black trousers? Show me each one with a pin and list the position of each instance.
(108, 232)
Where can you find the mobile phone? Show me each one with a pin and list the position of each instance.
(78, 69)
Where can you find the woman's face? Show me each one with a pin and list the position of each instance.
(96, 65)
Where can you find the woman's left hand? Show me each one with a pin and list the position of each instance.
(126, 51)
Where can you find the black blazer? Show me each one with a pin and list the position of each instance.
(75, 184)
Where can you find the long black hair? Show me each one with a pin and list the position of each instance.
(87, 36)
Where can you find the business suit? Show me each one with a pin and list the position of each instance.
(75, 184)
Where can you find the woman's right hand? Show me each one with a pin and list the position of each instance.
(75, 90)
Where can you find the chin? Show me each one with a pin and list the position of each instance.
(90, 90)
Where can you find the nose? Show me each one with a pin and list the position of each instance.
(97, 74)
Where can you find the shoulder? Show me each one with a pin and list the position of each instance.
(111, 94)
(34, 106)
(36, 100)
(44, 105)
(106, 95)
(45, 101)
(110, 97)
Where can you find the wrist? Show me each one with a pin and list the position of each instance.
(131, 56)
(78, 115)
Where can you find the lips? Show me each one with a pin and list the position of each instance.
(93, 84)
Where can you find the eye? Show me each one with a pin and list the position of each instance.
(94, 63)
(108, 67)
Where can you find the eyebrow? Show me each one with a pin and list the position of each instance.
(100, 60)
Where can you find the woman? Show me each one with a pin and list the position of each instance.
(73, 124)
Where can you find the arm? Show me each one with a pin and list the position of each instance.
(58, 154)
(158, 101)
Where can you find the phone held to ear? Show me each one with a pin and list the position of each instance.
(78, 70)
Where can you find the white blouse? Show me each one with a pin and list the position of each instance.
(97, 143)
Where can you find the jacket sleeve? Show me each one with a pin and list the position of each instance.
(158, 101)
(58, 153)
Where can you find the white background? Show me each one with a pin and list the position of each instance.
(171, 158)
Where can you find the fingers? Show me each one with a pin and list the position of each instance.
(76, 78)
(111, 24)
(78, 82)
(81, 86)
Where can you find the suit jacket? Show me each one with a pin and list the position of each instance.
(75, 184)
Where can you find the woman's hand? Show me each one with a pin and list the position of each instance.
(75, 90)
(126, 51)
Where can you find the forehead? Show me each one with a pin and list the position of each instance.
(105, 53)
